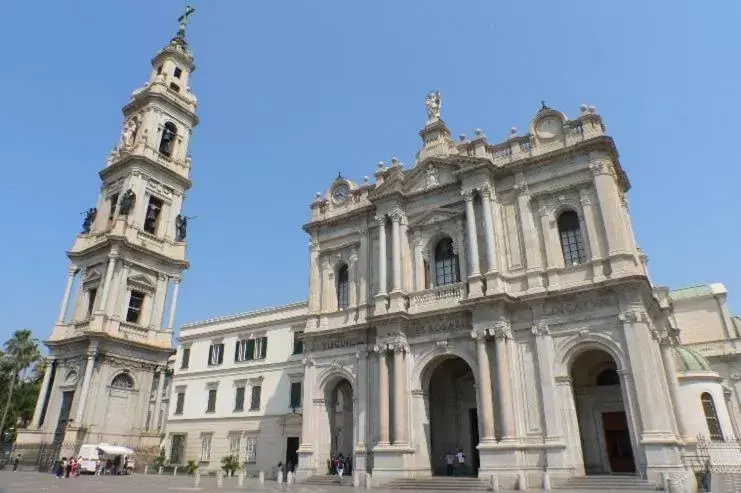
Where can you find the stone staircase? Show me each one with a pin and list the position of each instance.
(327, 480)
(439, 483)
(606, 483)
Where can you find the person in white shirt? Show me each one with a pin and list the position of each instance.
(460, 459)
(449, 463)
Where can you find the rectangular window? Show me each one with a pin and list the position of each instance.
(216, 354)
(234, 443)
(250, 455)
(180, 404)
(239, 399)
(112, 211)
(211, 405)
(186, 358)
(154, 210)
(178, 72)
(159, 70)
(206, 447)
(91, 294)
(261, 347)
(174, 87)
(295, 401)
(244, 350)
(255, 400)
(135, 307)
(298, 344)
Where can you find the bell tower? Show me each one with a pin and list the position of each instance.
(109, 348)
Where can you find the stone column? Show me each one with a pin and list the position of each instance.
(382, 283)
(361, 399)
(306, 404)
(353, 280)
(503, 333)
(611, 207)
(553, 253)
(472, 239)
(531, 244)
(71, 272)
(315, 281)
(419, 265)
(383, 398)
(121, 307)
(158, 397)
(670, 369)
(590, 220)
(396, 252)
(174, 302)
(85, 385)
(158, 305)
(42, 395)
(399, 395)
(363, 278)
(545, 357)
(491, 258)
(112, 256)
(486, 403)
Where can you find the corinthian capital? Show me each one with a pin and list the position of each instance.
(485, 191)
(502, 330)
(521, 188)
(479, 335)
(467, 195)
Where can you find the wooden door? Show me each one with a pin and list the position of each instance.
(617, 442)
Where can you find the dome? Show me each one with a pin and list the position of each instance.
(690, 360)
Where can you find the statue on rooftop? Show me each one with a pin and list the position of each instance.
(181, 227)
(127, 202)
(433, 102)
(89, 219)
(183, 21)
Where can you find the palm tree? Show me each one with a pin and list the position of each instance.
(21, 352)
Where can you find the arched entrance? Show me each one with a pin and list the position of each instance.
(603, 420)
(341, 423)
(452, 413)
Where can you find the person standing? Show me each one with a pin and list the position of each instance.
(460, 459)
(340, 467)
(16, 462)
(449, 463)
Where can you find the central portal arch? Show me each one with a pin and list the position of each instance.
(341, 422)
(450, 392)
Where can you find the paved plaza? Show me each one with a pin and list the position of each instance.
(32, 482)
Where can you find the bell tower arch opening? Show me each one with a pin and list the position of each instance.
(452, 411)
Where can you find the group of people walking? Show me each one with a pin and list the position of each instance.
(68, 468)
(340, 465)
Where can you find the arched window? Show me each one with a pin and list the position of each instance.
(446, 263)
(711, 416)
(342, 284)
(572, 242)
(608, 377)
(167, 143)
(123, 381)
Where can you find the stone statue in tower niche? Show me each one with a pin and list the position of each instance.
(131, 129)
(127, 202)
(433, 102)
(181, 227)
(89, 219)
(432, 178)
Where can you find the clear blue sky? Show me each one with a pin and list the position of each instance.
(292, 92)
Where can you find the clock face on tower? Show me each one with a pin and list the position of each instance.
(340, 193)
(548, 127)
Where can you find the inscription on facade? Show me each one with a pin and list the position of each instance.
(324, 345)
(437, 325)
(576, 306)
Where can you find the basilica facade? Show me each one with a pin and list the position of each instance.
(492, 298)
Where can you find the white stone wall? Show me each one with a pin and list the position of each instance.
(273, 422)
(691, 388)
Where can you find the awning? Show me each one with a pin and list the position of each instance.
(115, 449)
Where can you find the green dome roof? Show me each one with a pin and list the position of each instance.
(690, 360)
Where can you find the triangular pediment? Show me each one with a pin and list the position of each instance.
(429, 174)
(393, 184)
(433, 216)
(141, 281)
(92, 275)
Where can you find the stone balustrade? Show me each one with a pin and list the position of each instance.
(446, 295)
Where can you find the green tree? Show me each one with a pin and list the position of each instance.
(21, 354)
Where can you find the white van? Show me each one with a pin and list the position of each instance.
(91, 457)
(94, 457)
